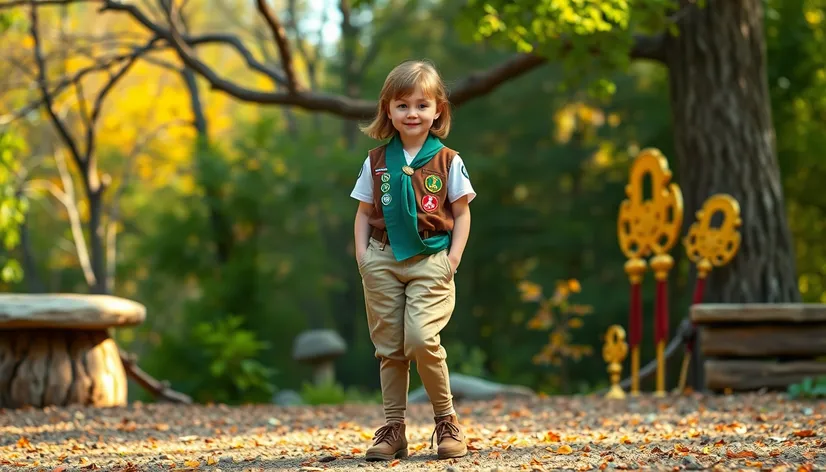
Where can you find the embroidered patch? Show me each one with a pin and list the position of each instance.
(464, 172)
(385, 177)
(379, 171)
(430, 203)
(433, 183)
(386, 198)
(385, 187)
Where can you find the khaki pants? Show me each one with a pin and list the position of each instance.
(408, 304)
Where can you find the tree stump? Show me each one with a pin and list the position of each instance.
(55, 349)
(754, 346)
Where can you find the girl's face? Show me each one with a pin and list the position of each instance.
(413, 115)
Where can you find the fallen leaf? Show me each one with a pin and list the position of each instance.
(550, 436)
(744, 454)
(564, 449)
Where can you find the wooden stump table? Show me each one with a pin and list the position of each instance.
(754, 346)
(55, 349)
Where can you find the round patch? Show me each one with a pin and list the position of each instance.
(385, 177)
(386, 198)
(385, 187)
(433, 183)
(430, 203)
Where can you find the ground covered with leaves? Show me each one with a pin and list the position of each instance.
(734, 432)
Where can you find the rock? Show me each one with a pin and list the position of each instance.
(465, 387)
(287, 398)
(319, 348)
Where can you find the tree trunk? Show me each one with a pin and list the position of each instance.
(725, 143)
(96, 240)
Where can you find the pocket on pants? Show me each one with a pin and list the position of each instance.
(364, 258)
(448, 269)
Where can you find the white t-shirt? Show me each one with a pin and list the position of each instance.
(458, 181)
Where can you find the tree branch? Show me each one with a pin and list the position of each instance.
(66, 197)
(42, 84)
(157, 30)
(19, 3)
(280, 37)
(62, 84)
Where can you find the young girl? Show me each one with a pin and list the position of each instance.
(411, 228)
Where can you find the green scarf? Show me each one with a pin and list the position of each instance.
(400, 213)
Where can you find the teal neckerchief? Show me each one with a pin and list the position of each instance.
(400, 213)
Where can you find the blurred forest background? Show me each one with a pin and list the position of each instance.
(231, 220)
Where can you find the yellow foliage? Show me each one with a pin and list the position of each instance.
(530, 291)
(557, 314)
(814, 16)
(146, 120)
(578, 117)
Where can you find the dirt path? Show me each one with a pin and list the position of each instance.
(761, 433)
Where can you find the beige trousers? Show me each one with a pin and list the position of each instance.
(408, 304)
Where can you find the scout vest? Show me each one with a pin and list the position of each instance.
(429, 183)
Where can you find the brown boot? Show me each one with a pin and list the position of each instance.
(390, 442)
(449, 437)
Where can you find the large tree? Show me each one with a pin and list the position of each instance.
(725, 142)
(715, 54)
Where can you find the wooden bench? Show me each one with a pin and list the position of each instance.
(55, 349)
(752, 346)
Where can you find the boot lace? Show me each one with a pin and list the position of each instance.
(444, 429)
(388, 433)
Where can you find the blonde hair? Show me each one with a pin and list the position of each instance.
(400, 83)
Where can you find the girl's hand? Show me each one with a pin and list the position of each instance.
(454, 262)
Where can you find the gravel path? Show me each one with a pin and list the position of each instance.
(739, 432)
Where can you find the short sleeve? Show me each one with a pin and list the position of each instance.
(458, 181)
(363, 190)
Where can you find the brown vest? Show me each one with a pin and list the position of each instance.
(429, 185)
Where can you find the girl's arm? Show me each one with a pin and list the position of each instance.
(461, 230)
(362, 228)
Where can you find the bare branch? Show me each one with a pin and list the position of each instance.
(62, 84)
(66, 197)
(280, 37)
(98, 105)
(157, 30)
(19, 3)
(474, 85)
(42, 84)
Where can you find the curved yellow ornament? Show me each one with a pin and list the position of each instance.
(651, 225)
(615, 348)
(614, 352)
(714, 245)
